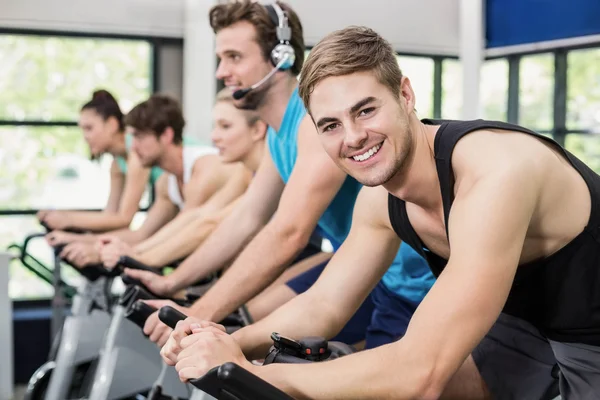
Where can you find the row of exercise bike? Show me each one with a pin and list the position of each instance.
(100, 352)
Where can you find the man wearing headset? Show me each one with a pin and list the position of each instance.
(296, 188)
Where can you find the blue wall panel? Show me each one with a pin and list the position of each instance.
(512, 22)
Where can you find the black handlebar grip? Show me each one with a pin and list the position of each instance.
(133, 294)
(139, 312)
(283, 358)
(170, 316)
(128, 262)
(232, 382)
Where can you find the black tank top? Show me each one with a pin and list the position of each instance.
(559, 294)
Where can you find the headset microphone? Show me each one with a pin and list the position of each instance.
(282, 54)
(238, 94)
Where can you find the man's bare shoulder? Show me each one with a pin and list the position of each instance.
(207, 161)
(488, 152)
(372, 206)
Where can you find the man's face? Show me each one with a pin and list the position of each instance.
(242, 63)
(147, 147)
(363, 127)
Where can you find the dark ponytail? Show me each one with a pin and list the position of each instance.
(105, 105)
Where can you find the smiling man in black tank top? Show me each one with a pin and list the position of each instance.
(508, 220)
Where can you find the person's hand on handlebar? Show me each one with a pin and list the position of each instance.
(80, 254)
(158, 284)
(205, 347)
(170, 351)
(54, 219)
(154, 328)
(111, 248)
(57, 237)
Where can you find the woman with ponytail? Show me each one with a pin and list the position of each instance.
(101, 121)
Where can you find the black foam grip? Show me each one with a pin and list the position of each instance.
(139, 312)
(133, 294)
(170, 316)
(95, 271)
(232, 382)
(133, 283)
(128, 262)
(232, 320)
(283, 358)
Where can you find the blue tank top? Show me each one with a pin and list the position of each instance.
(409, 275)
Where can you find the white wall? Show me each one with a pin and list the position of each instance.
(199, 65)
(132, 17)
(415, 26)
(471, 55)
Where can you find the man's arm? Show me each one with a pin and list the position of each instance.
(161, 211)
(236, 179)
(169, 230)
(487, 227)
(198, 206)
(312, 186)
(253, 210)
(349, 277)
(186, 240)
(202, 185)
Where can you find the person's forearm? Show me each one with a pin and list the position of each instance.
(97, 221)
(172, 228)
(229, 193)
(261, 262)
(391, 371)
(178, 246)
(304, 315)
(217, 250)
(128, 236)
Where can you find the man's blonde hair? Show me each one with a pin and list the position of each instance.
(346, 51)
(225, 95)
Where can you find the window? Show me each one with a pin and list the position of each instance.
(44, 160)
(586, 148)
(41, 164)
(493, 89)
(49, 78)
(451, 89)
(536, 92)
(420, 72)
(583, 90)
